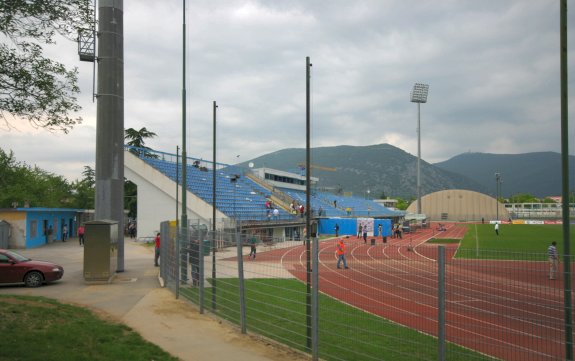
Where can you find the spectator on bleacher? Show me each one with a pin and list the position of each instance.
(348, 211)
(320, 211)
(276, 214)
(335, 203)
(301, 210)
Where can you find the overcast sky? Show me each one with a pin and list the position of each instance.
(492, 69)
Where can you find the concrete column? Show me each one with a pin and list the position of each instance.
(110, 119)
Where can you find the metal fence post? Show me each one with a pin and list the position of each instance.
(241, 282)
(441, 303)
(315, 301)
(177, 265)
(201, 273)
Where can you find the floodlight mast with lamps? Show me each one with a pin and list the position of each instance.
(419, 95)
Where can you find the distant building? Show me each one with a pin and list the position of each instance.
(283, 179)
(35, 227)
(389, 203)
(460, 205)
(537, 210)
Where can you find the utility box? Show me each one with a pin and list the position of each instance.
(4, 234)
(100, 250)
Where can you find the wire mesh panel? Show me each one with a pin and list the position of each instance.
(508, 309)
(384, 305)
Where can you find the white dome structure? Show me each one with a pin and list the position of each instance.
(459, 205)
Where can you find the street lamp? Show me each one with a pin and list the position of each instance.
(419, 95)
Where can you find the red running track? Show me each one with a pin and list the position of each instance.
(505, 309)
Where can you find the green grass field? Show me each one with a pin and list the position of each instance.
(38, 328)
(275, 308)
(515, 241)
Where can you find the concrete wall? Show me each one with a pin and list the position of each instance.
(17, 222)
(157, 198)
(349, 226)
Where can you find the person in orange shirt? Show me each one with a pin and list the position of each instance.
(340, 252)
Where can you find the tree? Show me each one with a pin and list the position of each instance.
(136, 138)
(523, 198)
(33, 87)
(402, 204)
(84, 189)
(131, 198)
(22, 185)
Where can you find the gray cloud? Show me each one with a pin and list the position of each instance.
(492, 66)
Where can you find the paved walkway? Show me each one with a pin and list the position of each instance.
(136, 299)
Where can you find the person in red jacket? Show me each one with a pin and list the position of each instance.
(340, 252)
(81, 234)
(157, 250)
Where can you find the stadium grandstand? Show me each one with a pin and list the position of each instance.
(158, 176)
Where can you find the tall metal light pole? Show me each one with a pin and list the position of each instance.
(497, 185)
(214, 288)
(568, 307)
(419, 95)
(308, 201)
(184, 222)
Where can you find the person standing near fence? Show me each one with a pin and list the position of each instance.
(340, 252)
(157, 250)
(337, 230)
(359, 230)
(553, 260)
(194, 257)
(253, 243)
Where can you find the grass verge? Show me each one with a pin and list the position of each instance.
(276, 308)
(39, 328)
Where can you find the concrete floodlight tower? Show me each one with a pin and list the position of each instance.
(110, 119)
(419, 95)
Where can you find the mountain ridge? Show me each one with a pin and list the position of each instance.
(382, 169)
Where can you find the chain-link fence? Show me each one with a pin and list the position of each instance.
(393, 303)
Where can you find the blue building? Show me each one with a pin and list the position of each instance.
(35, 227)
